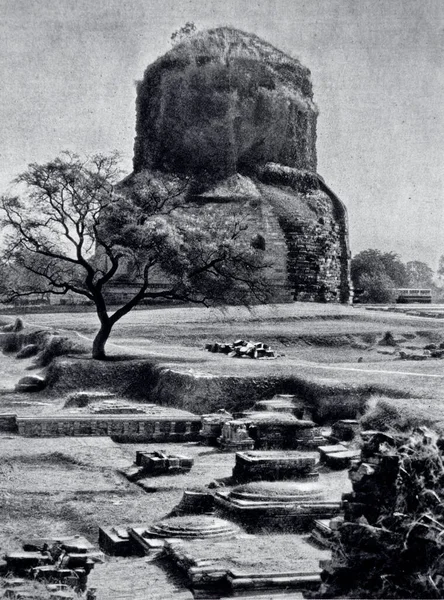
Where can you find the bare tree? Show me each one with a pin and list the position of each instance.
(71, 230)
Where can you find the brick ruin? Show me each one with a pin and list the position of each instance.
(237, 116)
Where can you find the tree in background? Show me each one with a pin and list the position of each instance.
(71, 231)
(377, 274)
(419, 274)
(183, 32)
(440, 270)
(377, 287)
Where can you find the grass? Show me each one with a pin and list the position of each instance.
(71, 485)
(328, 349)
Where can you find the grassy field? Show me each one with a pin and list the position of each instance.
(72, 485)
(315, 341)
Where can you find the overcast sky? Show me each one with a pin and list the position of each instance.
(68, 67)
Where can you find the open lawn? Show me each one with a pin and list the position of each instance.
(320, 342)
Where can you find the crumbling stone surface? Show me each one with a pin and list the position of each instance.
(65, 562)
(236, 116)
(390, 544)
(149, 464)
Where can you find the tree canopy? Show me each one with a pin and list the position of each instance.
(71, 229)
(376, 275)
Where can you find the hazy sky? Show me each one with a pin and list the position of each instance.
(68, 67)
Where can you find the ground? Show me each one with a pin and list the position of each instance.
(321, 343)
(72, 485)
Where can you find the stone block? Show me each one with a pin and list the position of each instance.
(31, 383)
(117, 541)
(273, 465)
(345, 429)
(340, 460)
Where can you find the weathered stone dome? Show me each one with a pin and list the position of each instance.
(224, 101)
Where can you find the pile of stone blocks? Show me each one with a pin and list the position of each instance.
(273, 466)
(362, 540)
(338, 456)
(150, 464)
(67, 560)
(242, 349)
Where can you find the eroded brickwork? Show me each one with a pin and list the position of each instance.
(224, 105)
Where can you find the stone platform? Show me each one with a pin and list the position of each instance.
(247, 564)
(122, 428)
(277, 506)
(117, 541)
(269, 430)
(273, 465)
(151, 539)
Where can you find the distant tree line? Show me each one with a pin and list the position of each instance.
(377, 275)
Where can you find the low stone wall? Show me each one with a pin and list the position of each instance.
(123, 428)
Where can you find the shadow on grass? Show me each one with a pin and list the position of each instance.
(152, 358)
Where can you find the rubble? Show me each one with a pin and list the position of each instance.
(65, 560)
(391, 541)
(242, 349)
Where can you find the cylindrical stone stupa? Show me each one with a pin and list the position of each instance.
(236, 115)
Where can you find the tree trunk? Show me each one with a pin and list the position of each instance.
(98, 349)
